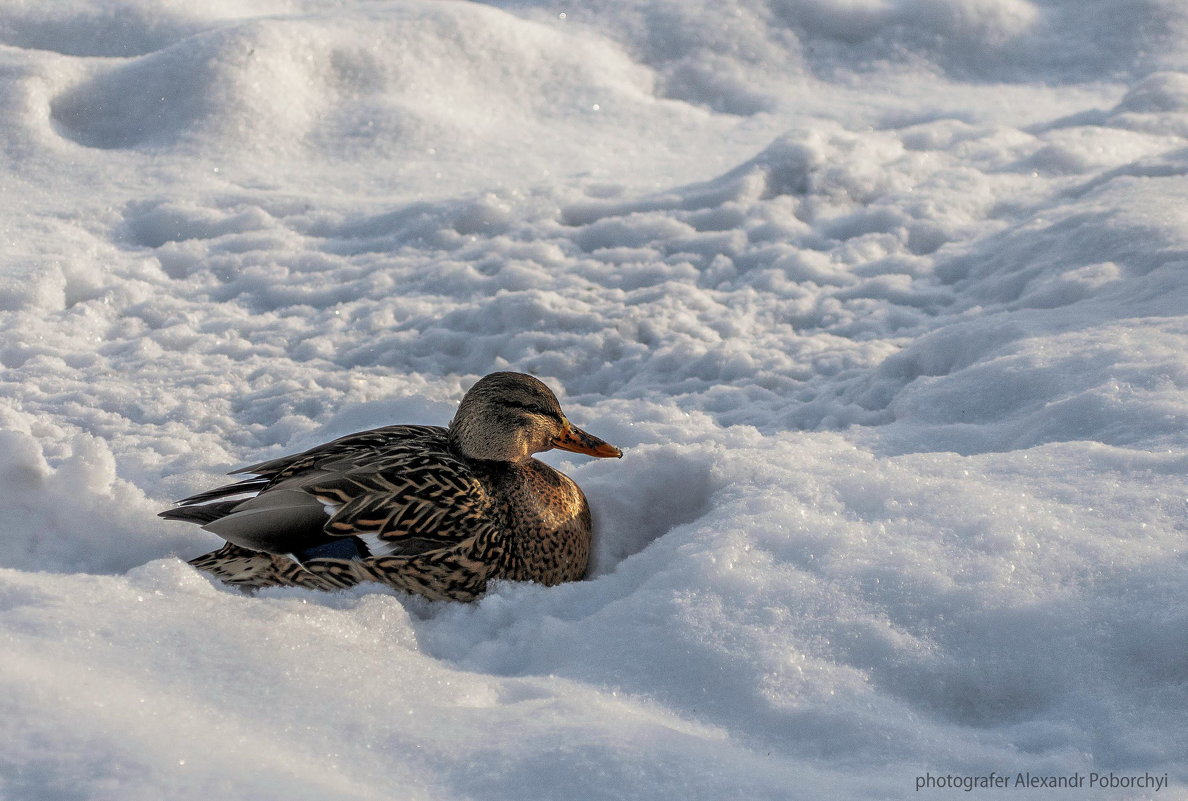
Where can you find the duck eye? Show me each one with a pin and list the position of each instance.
(531, 409)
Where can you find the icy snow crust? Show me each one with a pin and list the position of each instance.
(885, 301)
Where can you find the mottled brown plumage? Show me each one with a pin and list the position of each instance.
(435, 511)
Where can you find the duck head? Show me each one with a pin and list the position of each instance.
(507, 417)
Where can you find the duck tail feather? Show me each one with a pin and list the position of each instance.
(203, 514)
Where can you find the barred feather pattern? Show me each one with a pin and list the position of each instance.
(252, 570)
(445, 526)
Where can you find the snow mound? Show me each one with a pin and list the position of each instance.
(52, 511)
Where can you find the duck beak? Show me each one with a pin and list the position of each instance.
(574, 439)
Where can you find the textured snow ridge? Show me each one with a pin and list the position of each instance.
(886, 302)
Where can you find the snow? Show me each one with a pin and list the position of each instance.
(886, 302)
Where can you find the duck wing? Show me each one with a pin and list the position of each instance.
(352, 450)
(412, 501)
(393, 491)
(340, 454)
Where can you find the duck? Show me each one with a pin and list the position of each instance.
(437, 512)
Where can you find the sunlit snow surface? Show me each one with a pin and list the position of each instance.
(885, 300)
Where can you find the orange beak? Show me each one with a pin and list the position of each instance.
(574, 439)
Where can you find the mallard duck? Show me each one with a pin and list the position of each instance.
(434, 511)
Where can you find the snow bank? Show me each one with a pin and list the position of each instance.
(883, 299)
